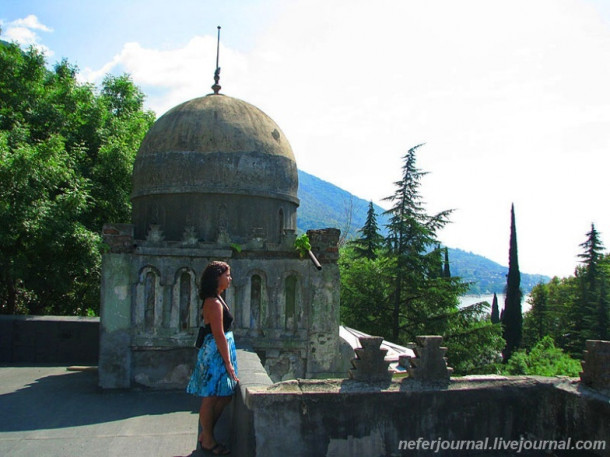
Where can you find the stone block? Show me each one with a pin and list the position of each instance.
(430, 363)
(324, 244)
(596, 366)
(118, 237)
(369, 364)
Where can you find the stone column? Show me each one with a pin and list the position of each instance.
(323, 359)
(596, 366)
(114, 365)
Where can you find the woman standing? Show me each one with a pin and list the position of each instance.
(214, 378)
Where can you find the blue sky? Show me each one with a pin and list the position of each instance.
(511, 98)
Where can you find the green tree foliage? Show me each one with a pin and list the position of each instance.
(403, 292)
(544, 359)
(574, 309)
(512, 318)
(371, 241)
(549, 313)
(538, 322)
(366, 287)
(474, 342)
(601, 326)
(66, 155)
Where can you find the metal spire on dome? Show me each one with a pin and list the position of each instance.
(216, 87)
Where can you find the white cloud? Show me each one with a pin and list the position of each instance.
(176, 74)
(510, 97)
(22, 32)
(31, 22)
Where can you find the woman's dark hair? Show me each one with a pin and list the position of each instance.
(208, 286)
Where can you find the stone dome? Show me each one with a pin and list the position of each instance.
(216, 166)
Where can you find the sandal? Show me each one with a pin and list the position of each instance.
(217, 449)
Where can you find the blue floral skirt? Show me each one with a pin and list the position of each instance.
(210, 377)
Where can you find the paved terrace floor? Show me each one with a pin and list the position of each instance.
(54, 412)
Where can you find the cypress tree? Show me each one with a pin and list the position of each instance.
(512, 320)
(495, 312)
(437, 259)
(446, 270)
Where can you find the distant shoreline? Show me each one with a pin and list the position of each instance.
(471, 299)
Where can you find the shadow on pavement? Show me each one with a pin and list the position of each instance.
(73, 399)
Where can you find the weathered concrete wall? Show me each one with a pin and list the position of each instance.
(49, 339)
(348, 418)
(285, 309)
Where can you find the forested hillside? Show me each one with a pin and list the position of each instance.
(325, 205)
(487, 276)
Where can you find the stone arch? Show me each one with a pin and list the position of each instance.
(292, 301)
(148, 313)
(255, 301)
(184, 311)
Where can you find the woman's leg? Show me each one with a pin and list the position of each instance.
(220, 405)
(206, 419)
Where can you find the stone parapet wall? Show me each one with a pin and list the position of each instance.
(347, 417)
(61, 340)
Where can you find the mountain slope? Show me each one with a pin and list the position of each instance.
(487, 276)
(325, 205)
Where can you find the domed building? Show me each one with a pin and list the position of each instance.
(216, 164)
(215, 179)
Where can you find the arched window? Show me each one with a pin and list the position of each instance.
(185, 301)
(150, 299)
(256, 286)
(290, 290)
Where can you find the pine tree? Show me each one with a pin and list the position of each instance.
(371, 241)
(403, 292)
(590, 311)
(512, 321)
(495, 312)
(411, 233)
(593, 248)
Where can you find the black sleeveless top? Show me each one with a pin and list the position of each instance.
(227, 318)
